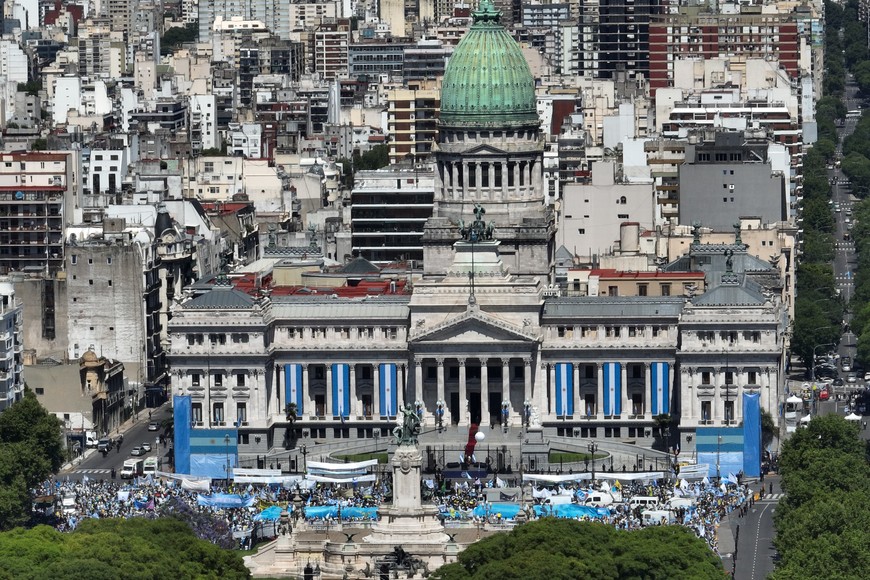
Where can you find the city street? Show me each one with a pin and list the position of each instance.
(135, 432)
(754, 535)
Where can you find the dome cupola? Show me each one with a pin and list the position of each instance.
(488, 83)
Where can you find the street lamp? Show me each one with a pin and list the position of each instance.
(304, 452)
(592, 447)
(718, 456)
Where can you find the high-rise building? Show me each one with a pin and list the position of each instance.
(613, 37)
(740, 36)
(33, 187)
(11, 379)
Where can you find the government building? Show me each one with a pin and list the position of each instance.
(299, 353)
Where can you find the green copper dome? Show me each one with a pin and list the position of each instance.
(488, 82)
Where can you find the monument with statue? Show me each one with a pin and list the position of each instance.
(407, 541)
(408, 522)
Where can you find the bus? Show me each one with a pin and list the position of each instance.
(853, 114)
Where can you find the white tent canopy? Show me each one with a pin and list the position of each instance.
(806, 419)
(853, 417)
(794, 399)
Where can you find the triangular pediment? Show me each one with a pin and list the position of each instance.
(473, 326)
(484, 149)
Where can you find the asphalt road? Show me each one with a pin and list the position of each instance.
(135, 432)
(754, 558)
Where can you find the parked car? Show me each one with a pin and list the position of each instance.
(153, 426)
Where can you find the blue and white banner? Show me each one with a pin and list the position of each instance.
(293, 386)
(389, 405)
(612, 389)
(564, 389)
(340, 390)
(659, 387)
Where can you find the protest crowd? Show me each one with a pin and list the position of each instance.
(476, 502)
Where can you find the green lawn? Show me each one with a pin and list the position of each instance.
(566, 457)
(381, 457)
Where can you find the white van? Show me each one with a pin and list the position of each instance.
(598, 499)
(657, 517)
(132, 468)
(151, 465)
(68, 503)
(643, 502)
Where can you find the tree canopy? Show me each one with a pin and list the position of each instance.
(137, 548)
(822, 521)
(555, 549)
(30, 451)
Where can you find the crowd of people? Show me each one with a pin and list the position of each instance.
(108, 499)
(469, 500)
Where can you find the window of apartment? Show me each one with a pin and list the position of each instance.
(91, 282)
(729, 412)
(752, 377)
(110, 282)
(73, 259)
(241, 338)
(217, 338)
(217, 413)
(194, 379)
(705, 377)
(611, 331)
(218, 380)
(242, 412)
(109, 260)
(622, 216)
(666, 289)
(196, 412)
(240, 379)
(613, 291)
(642, 289)
(729, 377)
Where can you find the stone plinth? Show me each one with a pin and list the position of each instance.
(407, 522)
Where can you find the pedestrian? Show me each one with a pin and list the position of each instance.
(770, 488)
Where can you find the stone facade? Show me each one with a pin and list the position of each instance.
(503, 351)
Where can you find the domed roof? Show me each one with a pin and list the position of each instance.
(488, 82)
